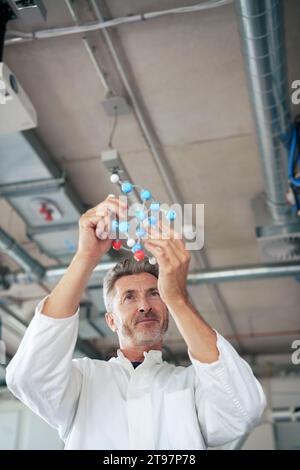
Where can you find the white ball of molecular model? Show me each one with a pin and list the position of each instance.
(114, 178)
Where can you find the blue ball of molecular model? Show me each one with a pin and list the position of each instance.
(126, 187)
(171, 215)
(145, 195)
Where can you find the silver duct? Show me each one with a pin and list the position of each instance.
(261, 27)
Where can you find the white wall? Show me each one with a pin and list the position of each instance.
(261, 438)
(22, 429)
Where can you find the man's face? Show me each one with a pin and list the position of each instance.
(139, 315)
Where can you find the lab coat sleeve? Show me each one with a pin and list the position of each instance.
(42, 373)
(229, 399)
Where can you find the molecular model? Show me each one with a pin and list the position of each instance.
(142, 217)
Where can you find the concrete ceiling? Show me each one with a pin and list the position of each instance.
(188, 73)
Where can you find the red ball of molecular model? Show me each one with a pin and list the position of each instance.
(147, 214)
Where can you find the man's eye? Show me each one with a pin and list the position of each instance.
(155, 292)
(128, 297)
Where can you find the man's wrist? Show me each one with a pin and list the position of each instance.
(178, 304)
(86, 260)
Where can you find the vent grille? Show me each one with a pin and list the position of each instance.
(281, 248)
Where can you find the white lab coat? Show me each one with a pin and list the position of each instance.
(110, 405)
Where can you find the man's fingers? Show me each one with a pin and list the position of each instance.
(164, 231)
(101, 216)
(168, 231)
(160, 239)
(154, 250)
(103, 228)
(116, 206)
(89, 221)
(165, 249)
(100, 223)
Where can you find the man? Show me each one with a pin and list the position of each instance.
(136, 400)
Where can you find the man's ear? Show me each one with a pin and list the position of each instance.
(110, 321)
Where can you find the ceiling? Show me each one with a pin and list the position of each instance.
(187, 71)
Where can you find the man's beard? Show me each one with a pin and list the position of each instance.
(146, 334)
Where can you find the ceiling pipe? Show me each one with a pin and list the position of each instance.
(244, 273)
(10, 247)
(208, 276)
(22, 36)
(251, 336)
(261, 26)
(13, 315)
(285, 415)
(89, 50)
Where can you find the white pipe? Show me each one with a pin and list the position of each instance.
(89, 51)
(94, 26)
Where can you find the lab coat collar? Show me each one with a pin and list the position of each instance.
(153, 356)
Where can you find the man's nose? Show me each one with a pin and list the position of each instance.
(144, 307)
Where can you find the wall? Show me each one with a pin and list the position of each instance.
(22, 429)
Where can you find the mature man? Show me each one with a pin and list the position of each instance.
(135, 400)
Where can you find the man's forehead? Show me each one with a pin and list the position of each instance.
(142, 281)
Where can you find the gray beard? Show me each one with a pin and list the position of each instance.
(147, 335)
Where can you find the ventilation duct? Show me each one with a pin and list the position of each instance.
(34, 186)
(261, 26)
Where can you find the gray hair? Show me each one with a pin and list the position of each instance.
(126, 267)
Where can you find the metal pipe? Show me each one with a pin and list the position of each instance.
(261, 26)
(211, 276)
(89, 50)
(10, 247)
(23, 188)
(12, 314)
(251, 336)
(244, 273)
(287, 415)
